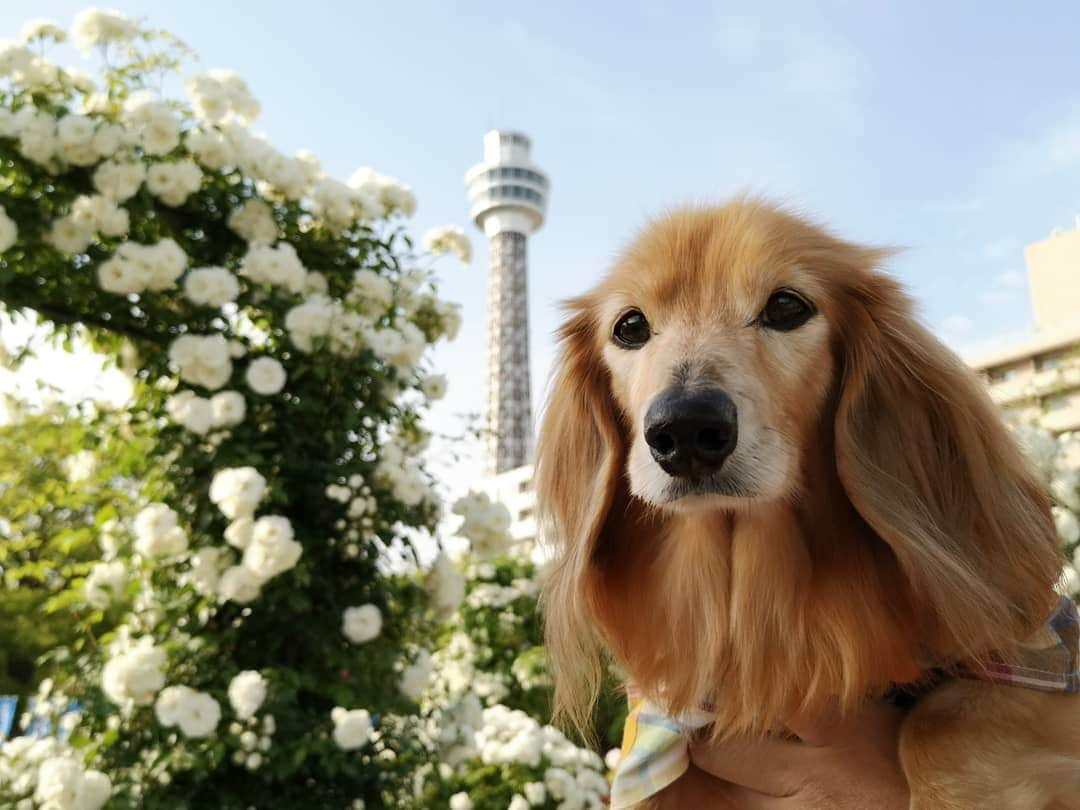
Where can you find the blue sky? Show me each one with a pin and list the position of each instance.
(950, 129)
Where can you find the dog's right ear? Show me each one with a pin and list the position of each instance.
(579, 460)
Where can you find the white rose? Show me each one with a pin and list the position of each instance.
(315, 282)
(164, 260)
(238, 533)
(119, 179)
(536, 793)
(229, 408)
(37, 135)
(196, 713)
(448, 239)
(211, 286)
(94, 27)
(97, 789)
(1068, 526)
(75, 130)
(352, 728)
(361, 624)
(190, 411)
(346, 332)
(105, 583)
(108, 138)
(254, 222)
(158, 533)
(170, 704)
(61, 784)
(309, 320)
(202, 716)
(434, 386)
(278, 266)
(210, 148)
(272, 550)
(134, 675)
(612, 759)
(160, 135)
(205, 574)
(1066, 488)
(1069, 581)
(247, 691)
(42, 29)
(446, 585)
(173, 183)
(372, 292)
(202, 360)
(69, 236)
(415, 677)
(237, 491)
(80, 466)
(239, 585)
(461, 801)
(451, 319)
(266, 376)
(219, 94)
(9, 232)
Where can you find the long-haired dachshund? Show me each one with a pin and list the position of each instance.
(772, 491)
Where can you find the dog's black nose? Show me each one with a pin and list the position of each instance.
(691, 433)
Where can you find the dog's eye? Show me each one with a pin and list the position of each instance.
(785, 311)
(632, 330)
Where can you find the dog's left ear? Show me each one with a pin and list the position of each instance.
(927, 462)
(579, 462)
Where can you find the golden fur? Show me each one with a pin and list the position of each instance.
(881, 521)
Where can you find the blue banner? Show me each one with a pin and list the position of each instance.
(9, 708)
(43, 726)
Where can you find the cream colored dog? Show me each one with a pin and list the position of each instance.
(771, 489)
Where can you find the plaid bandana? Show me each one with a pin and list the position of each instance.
(655, 748)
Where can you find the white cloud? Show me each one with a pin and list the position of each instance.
(957, 207)
(1054, 149)
(997, 297)
(1010, 280)
(1005, 288)
(820, 65)
(1001, 248)
(796, 56)
(956, 325)
(739, 37)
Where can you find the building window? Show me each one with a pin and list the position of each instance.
(1015, 413)
(999, 375)
(1061, 402)
(525, 486)
(525, 514)
(1049, 362)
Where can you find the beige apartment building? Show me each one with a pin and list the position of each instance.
(1041, 376)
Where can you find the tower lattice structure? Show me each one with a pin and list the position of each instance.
(508, 201)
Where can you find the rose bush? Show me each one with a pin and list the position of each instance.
(256, 630)
(1057, 458)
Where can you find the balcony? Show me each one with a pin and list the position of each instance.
(1012, 390)
(1063, 419)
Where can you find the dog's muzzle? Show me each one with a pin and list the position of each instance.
(691, 433)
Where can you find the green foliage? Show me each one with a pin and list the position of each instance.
(62, 475)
